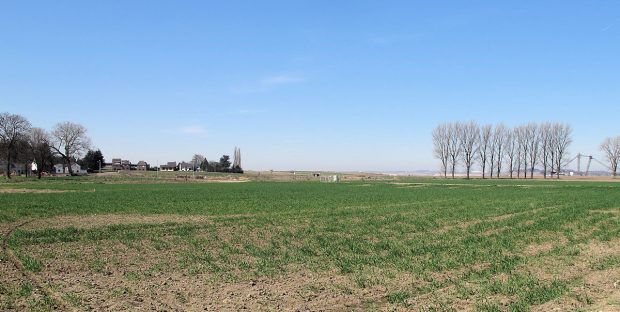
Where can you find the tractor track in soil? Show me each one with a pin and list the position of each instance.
(61, 304)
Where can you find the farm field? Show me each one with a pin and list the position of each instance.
(405, 244)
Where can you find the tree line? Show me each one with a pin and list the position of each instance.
(224, 165)
(498, 148)
(21, 143)
(517, 150)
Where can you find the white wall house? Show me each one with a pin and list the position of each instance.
(60, 168)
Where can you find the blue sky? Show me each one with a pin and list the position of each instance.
(344, 85)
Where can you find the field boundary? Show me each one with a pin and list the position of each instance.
(60, 302)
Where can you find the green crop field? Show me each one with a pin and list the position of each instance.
(407, 244)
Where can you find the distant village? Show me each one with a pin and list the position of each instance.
(199, 163)
(67, 149)
(119, 164)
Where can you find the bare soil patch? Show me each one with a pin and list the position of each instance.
(539, 248)
(94, 221)
(112, 275)
(598, 292)
(35, 191)
(591, 179)
(12, 281)
(228, 180)
(179, 180)
(20, 290)
(117, 277)
(613, 211)
(593, 289)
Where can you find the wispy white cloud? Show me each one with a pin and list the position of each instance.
(193, 130)
(268, 83)
(609, 26)
(281, 80)
(247, 111)
(388, 39)
(381, 40)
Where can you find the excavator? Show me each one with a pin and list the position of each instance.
(590, 159)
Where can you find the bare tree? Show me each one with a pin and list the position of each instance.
(485, 150)
(522, 145)
(197, 159)
(512, 151)
(499, 144)
(13, 129)
(24, 153)
(454, 146)
(441, 143)
(469, 134)
(40, 145)
(69, 141)
(236, 166)
(561, 140)
(611, 148)
(533, 141)
(545, 147)
(552, 151)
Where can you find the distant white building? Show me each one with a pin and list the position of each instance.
(61, 168)
(186, 167)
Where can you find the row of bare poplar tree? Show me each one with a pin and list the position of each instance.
(497, 147)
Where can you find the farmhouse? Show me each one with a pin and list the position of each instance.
(170, 166)
(142, 166)
(120, 164)
(186, 167)
(18, 169)
(117, 164)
